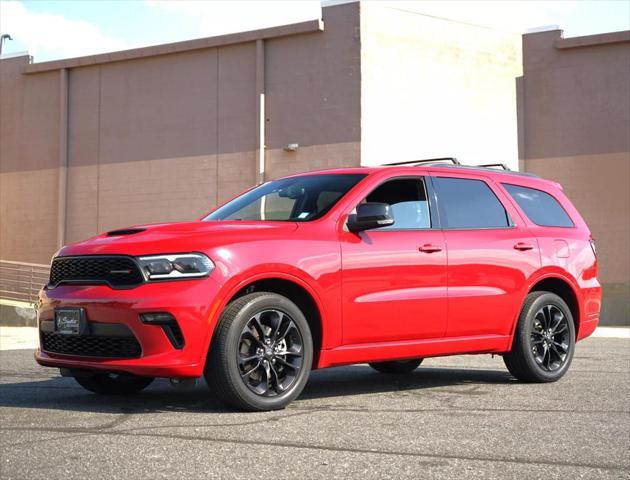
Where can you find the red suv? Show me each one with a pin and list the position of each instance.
(384, 265)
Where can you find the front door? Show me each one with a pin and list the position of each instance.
(394, 278)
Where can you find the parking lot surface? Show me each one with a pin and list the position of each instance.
(456, 417)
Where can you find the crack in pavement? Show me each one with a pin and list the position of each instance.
(329, 448)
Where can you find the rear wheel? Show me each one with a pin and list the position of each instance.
(261, 353)
(544, 340)
(397, 366)
(113, 383)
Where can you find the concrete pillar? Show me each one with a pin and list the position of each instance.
(260, 111)
(63, 157)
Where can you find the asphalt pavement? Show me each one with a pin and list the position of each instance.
(455, 417)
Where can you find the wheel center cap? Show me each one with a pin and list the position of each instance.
(268, 352)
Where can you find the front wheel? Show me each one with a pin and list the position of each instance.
(261, 353)
(544, 340)
(397, 366)
(113, 383)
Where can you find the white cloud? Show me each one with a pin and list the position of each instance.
(219, 16)
(512, 16)
(53, 36)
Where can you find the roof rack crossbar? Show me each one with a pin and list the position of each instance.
(496, 165)
(453, 160)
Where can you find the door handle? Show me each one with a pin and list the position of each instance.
(522, 246)
(428, 248)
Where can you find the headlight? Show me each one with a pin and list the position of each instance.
(186, 265)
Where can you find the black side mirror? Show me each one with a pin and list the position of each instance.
(369, 216)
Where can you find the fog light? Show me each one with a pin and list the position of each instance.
(157, 318)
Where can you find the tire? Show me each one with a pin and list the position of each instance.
(114, 383)
(249, 374)
(544, 340)
(397, 366)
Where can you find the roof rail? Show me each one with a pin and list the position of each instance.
(496, 165)
(453, 160)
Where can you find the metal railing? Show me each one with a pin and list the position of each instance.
(21, 282)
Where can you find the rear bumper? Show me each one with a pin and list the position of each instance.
(190, 302)
(590, 308)
(587, 327)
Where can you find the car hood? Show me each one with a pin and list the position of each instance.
(177, 237)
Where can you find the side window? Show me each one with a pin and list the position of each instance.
(539, 206)
(408, 199)
(468, 203)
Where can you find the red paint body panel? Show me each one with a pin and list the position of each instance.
(379, 296)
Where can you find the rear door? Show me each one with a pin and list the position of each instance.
(491, 254)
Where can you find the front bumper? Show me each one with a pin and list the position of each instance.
(191, 302)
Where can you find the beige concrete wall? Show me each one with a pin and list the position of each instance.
(432, 87)
(575, 128)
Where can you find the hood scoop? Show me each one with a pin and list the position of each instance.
(125, 231)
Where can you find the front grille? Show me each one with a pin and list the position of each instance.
(91, 346)
(115, 270)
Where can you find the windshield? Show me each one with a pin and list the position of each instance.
(295, 199)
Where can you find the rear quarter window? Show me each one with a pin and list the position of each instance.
(540, 207)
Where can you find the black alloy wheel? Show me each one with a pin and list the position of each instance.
(544, 339)
(549, 338)
(270, 353)
(261, 353)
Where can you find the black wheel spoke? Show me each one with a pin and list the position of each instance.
(276, 327)
(286, 330)
(557, 320)
(270, 358)
(288, 353)
(547, 316)
(560, 329)
(251, 370)
(561, 345)
(243, 360)
(549, 338)
(248, 335)
(275, 380)
(559, 354)
(286, 364)
(255, 323)
(548, 352)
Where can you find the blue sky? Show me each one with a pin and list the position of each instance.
(51, 29)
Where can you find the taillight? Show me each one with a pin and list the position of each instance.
(592, 242)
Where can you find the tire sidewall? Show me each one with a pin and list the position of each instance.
(255, 306)
(528, 320)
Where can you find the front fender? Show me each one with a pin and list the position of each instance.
(330, 334)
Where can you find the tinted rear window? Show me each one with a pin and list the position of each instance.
(467, 203)
(539, 206)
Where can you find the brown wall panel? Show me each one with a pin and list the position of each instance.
(29, 136)
(165, 137)
(574, 107)
(163, 107)
(313, 83)
(577, 99)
